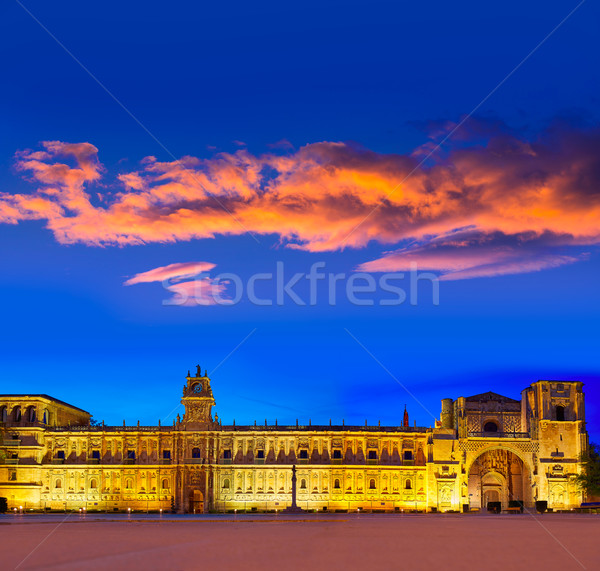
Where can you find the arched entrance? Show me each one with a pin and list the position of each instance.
(497, 475)
(493, 488)
(196, 502)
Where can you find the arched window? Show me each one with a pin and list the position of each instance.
(58, 483)
(226, 484)
(16, 414)
(45, 417)
(490, 427)
(336, 484)
(303, 484)
(3, 414)
(408, 485)
(31, 414)
(128, 484)
(93, 484)
(560, 413)
(372, 484)
(165, 484)
(195, 452)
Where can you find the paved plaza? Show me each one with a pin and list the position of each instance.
(304, 541)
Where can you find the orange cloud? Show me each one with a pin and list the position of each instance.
(540, 197)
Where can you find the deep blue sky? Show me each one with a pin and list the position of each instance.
(202, 76)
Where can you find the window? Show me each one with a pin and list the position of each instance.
(60, 454)
(165, 484)
(408, 455)
(45, 417)
(167, 454)
(31, 414)
(560, 413)
(58, 483)
(227, 454)
(17, 414)
(93, 483)
(337, 454)
(12, 476)
(3, 414)
(303, 484)
(96, 454)
(304, 454)
(336, 484)
(195, 452)
(371, 484)
(128, 484)
(490, 427)
(260, 453)
(226, 484)
(131, 454)
(372, 454)
(408, 485)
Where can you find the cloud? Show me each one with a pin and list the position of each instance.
(472, 254)
(529, 202)
(172, 271)
(281, 144)
(201, 290)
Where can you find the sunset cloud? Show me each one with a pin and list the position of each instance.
(172, 271)
(527, 204)
(186, 283)
(472, 254)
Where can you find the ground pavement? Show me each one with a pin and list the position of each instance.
(313, 541)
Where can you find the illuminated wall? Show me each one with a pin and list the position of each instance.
(484, 448)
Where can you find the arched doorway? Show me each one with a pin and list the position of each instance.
(196, 502)
(498, 475)
(493, 488)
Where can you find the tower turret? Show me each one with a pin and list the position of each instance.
(198, 401)
(447, 417)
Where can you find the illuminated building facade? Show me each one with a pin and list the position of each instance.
(484, 448)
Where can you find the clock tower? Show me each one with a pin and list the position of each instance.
(198, 401)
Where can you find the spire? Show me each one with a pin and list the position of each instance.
(405, 421)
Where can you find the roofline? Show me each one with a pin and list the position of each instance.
(47, 397)
(494, 393)
(556, 381)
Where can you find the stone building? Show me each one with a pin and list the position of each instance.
(484, 448)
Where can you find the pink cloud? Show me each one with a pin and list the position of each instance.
(471, 254)
(198, 292)
(172, 271)
(176, 279)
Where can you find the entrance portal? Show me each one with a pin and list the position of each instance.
(196, 502)
(496, 476)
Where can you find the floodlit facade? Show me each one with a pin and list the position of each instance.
(484, 448)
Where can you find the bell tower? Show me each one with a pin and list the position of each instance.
(198, 401)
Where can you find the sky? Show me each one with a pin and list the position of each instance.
(179, 183)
